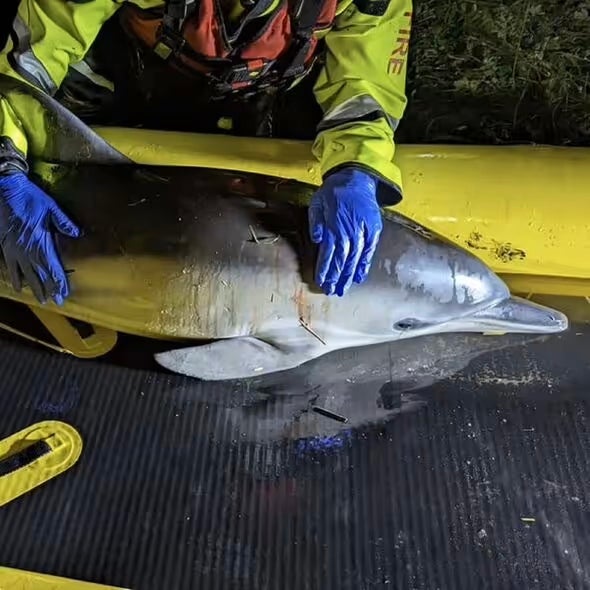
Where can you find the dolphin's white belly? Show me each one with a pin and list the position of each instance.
(238, 301)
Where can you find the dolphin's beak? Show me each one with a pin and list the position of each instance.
(515, 315)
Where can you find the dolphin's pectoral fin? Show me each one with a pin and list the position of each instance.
(234, 358)
(516, 315)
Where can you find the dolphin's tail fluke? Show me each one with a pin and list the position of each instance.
(516, 315)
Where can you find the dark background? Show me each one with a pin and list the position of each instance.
(511, 71)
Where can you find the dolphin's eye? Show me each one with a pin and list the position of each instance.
(408, 324)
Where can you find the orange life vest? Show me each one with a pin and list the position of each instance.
(256, 51)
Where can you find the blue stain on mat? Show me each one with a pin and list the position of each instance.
(323, 444)
(57, 404)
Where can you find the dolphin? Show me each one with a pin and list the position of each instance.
(224, 258)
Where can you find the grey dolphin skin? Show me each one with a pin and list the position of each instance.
(219, 256)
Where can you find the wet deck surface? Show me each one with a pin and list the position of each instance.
(450, 471)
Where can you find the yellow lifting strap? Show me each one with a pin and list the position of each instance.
(69, 341)
(35, 455)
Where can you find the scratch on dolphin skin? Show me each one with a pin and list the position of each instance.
(305, 325)
(303, 307)
(387, 266)
(151, 176)
(137, 202)
(264, 241)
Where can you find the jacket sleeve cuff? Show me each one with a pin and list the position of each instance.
(11, 159)
(388, 192)
(368, 147)
(11, 127)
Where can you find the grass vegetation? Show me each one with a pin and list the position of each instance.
(499, 71)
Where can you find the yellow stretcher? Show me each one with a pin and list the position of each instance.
(524, 210)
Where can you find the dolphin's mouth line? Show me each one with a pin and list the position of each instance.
(513, 315)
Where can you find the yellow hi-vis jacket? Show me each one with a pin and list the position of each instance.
(361, 88)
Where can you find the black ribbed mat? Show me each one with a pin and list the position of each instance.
(438, 480)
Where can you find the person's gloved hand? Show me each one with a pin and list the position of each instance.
(345, 219)
(29, 219)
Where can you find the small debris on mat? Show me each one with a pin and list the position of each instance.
(305, 325)
(329, 414)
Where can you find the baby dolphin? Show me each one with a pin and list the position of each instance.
(221, 256)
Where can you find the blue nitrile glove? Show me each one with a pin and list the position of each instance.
(29, 219)
(345, 219)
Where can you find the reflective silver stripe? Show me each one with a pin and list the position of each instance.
(358, 108)
(24, 61)
(83, 68)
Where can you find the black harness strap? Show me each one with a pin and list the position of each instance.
(175, 13)
(305, 15)
(170, 39)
